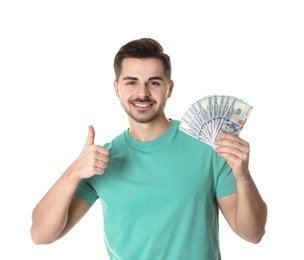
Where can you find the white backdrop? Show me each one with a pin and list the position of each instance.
(56, 78)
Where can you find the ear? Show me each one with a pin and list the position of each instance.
(171, 85)
(115, 83)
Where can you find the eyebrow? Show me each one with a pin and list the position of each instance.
(151, 78)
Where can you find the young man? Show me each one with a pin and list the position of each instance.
(161, 189)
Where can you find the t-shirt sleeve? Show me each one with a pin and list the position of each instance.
(86, 192)
(226, 183)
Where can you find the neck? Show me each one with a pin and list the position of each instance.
(145, 132)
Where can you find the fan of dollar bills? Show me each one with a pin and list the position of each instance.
(213, 114)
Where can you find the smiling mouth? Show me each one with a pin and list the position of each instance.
(142, 104)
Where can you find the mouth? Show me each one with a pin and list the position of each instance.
(142, 104)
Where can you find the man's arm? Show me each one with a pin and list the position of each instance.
(59, 210)
(245, 211)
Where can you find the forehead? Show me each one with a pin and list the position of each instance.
(142, 67)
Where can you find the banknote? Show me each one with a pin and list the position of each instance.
(212, 114)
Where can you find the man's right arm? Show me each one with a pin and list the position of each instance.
(60, 210)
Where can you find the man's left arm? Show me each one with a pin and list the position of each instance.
(245, 211)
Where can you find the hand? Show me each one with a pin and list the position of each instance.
(93, 159)
(236, 151)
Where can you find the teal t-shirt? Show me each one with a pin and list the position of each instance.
(159, 197)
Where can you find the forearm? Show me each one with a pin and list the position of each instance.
(251, 211)
(50, 215)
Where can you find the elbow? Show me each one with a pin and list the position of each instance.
(260, 232)
(256, 233)
(37, 241)
(256, 238)
(37, 238)
(253, 234)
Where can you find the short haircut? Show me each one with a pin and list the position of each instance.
(142, 48)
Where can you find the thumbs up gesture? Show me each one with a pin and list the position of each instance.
(93, 159)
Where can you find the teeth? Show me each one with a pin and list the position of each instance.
(142, 104)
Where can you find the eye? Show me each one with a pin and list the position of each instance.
(130, 83)
(153, 83)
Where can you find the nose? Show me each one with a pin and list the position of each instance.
(143, 90)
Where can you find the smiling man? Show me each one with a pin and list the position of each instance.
(143, 90)
(161, 190)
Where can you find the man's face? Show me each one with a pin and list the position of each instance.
(143, 89)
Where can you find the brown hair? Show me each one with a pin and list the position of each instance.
(142, 48)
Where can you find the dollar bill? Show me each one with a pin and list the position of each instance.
(212, 114)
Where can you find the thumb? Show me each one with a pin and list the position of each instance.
(91, 135)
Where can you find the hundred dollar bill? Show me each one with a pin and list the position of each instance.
(236, 117)
(213, 114)
(188, 129)
(227, 105)
(205, 106)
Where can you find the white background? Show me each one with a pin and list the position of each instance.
(56, 78)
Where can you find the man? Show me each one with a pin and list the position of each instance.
(160, 189)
